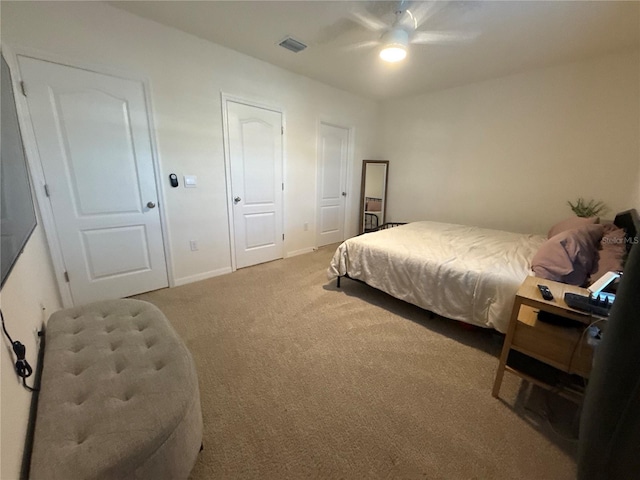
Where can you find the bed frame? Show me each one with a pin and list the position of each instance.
(370, 222)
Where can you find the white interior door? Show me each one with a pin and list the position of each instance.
(93, 137)
(255, 161)
(333, 148)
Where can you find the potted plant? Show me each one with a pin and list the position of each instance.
(582, 208)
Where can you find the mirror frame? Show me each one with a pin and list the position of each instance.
(362, 191)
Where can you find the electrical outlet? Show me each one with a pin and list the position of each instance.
(306, 226)
(45, 314)
(194, 245)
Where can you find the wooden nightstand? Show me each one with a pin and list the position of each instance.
(563, 347)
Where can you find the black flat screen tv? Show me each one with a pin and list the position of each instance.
(17, 213)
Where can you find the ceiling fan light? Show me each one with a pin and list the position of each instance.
(393, 53)
(394, 45)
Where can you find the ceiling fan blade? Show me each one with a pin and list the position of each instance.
(361, 45)
(443, 37)
(368, 21)
(419, 12)
(336, 32)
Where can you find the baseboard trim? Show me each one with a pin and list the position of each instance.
(202, 276)
(302, 251)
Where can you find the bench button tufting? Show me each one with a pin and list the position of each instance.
(86, 432)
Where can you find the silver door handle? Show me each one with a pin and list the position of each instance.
(151, 205)
(236, 200)
(344, 194)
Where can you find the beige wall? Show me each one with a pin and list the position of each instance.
(186, 75)
(508, 153)
(28, 297)
(637, 200)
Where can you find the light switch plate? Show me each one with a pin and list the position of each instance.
(190, 181)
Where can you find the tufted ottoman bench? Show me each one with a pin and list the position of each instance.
(119, 396)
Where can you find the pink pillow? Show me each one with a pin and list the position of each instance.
(571, 223)
(611, 256)
(569, 256)
(374, 205)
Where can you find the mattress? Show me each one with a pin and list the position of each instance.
(460, 272)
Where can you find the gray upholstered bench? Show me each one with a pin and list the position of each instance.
(119, 396)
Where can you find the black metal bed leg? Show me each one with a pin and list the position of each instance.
(338, 282)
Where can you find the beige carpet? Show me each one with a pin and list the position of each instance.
(299, 379)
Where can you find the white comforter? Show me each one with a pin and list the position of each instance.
(464, 273)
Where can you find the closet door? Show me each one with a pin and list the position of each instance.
(93, 136)
(333, 146)
(255, 158)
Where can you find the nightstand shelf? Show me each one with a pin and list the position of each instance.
(562, 347)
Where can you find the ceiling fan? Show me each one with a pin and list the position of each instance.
(394, 38)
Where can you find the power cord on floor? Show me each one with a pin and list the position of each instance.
(578, 345)
(23, 369)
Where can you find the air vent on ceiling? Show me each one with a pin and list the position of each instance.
(292, 44)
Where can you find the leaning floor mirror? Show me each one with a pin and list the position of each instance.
(373, 194)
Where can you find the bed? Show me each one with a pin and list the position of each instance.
(460, 272)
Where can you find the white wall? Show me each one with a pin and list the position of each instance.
(28, 297)
(508, 153)
(187, 75)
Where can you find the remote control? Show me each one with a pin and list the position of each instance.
(546, 293)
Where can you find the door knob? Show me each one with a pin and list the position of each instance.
(344, 194)
(151, 205)
(236, 200)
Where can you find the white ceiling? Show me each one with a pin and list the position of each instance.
(514, 36)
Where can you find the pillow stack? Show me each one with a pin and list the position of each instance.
(570, 255)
